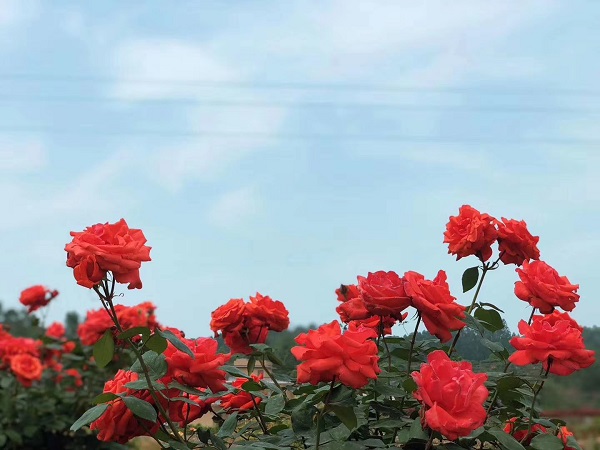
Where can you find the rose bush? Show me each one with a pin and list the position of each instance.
(355, 386)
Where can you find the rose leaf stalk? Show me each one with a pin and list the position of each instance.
(485, 268)
(107, 298)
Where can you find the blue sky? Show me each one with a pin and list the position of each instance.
(286, 147)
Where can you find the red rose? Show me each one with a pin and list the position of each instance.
(104, 248)
(56, 331)
(470, 233)
(452, 395)
(515, 242)
(543, 288)
(242, 324)
(556, 338)
(36, 297)
(241, 401)
(374, 323)
(118, 424)
(74, 375)
(438, 308)
(327, 354)
(185, 413)
(519, 432)
(12, 346)
(383, 294)
(26, 368)
(203, 371)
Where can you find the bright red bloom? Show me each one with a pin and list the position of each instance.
(26, 368)
(353, 306)
(73, 374)
(327, 354)
(452, 394)
(242, 324)
(242, 400)
(104, 248)
(519, 432)
(374, 323)
(11, 346)
(97, 322)
(543, 288)
(203, 371)
(37, 297)
(56, 331)
(383, 294)
(555, 337)
(515, 243)
(438, 308)
(118, 424)
(470, 233)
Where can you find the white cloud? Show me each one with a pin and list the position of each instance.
(235, 207)
(22, 155)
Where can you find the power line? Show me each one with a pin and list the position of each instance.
(301, 86)
(304, 104)
(305, 136)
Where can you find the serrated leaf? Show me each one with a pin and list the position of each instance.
(104, 349)
(275, 404)
(490, 319)
(346, 414)
(89, 416)
(141, 408)
(104, 398)
(135, 331)
(157, 365)
(546, 441)
(251, 386)
(228, 426)
(469, 278)
(169, 336)
(507, 441)
(157, 343)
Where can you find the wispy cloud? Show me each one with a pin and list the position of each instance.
(235, 207)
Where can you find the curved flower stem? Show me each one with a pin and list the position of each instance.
(107, 298)
(495, 396)
(259, 417)
(430, 441)
(320, 415)
(531, 316)
(387, 349)
(268, 372)
(536, 391)
(485, 269)
(412, 344)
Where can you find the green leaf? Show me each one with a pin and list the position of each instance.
(217, 442)
(491, 305)
(252, 386)
(135, 331)
(89, 416)
(489, 319)
(409, 385)
(346, 415)
(141, 408)
(275, 404)
(493, 346)
(302, 417)
(251, 364)
(3, 440)
(232, 370)
(143, 384)
(157, 343)
(157, 365)
(416, 431)
(186, 389)
(571, 442)
(547, 441)
(169, 336)
(469, 278)
(105, 398)
(228, 427)
(104, 349)
(506, 440)
(177, 445)
(14, 436)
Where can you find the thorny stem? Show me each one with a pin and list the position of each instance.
(485, 268)
(107, 298)
(259, 417)
(320, 415)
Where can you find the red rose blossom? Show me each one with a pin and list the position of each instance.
(438, 308)
(12, 346)
(104, 248)
(183, 412)
(543, 288)
(26, 368)
(327, 354)
(37, 297)
(554, 338)
(118, 423)
(470, 233)
(515, 243)
(452, 395)
(242, 400)
(520, 432)
(56, 331)
(383, 294)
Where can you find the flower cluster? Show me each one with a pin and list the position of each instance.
(244, 323)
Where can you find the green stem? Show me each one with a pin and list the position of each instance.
(536, 391)
(268, 372)
(259, 417)
(430, 441)
(412, 344)
(495, 396)
(322, 412)
(485, 270)
(531, 316)
(108, 297)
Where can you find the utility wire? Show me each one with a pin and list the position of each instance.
(302, 86)
(306, 136)
(303, 104)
